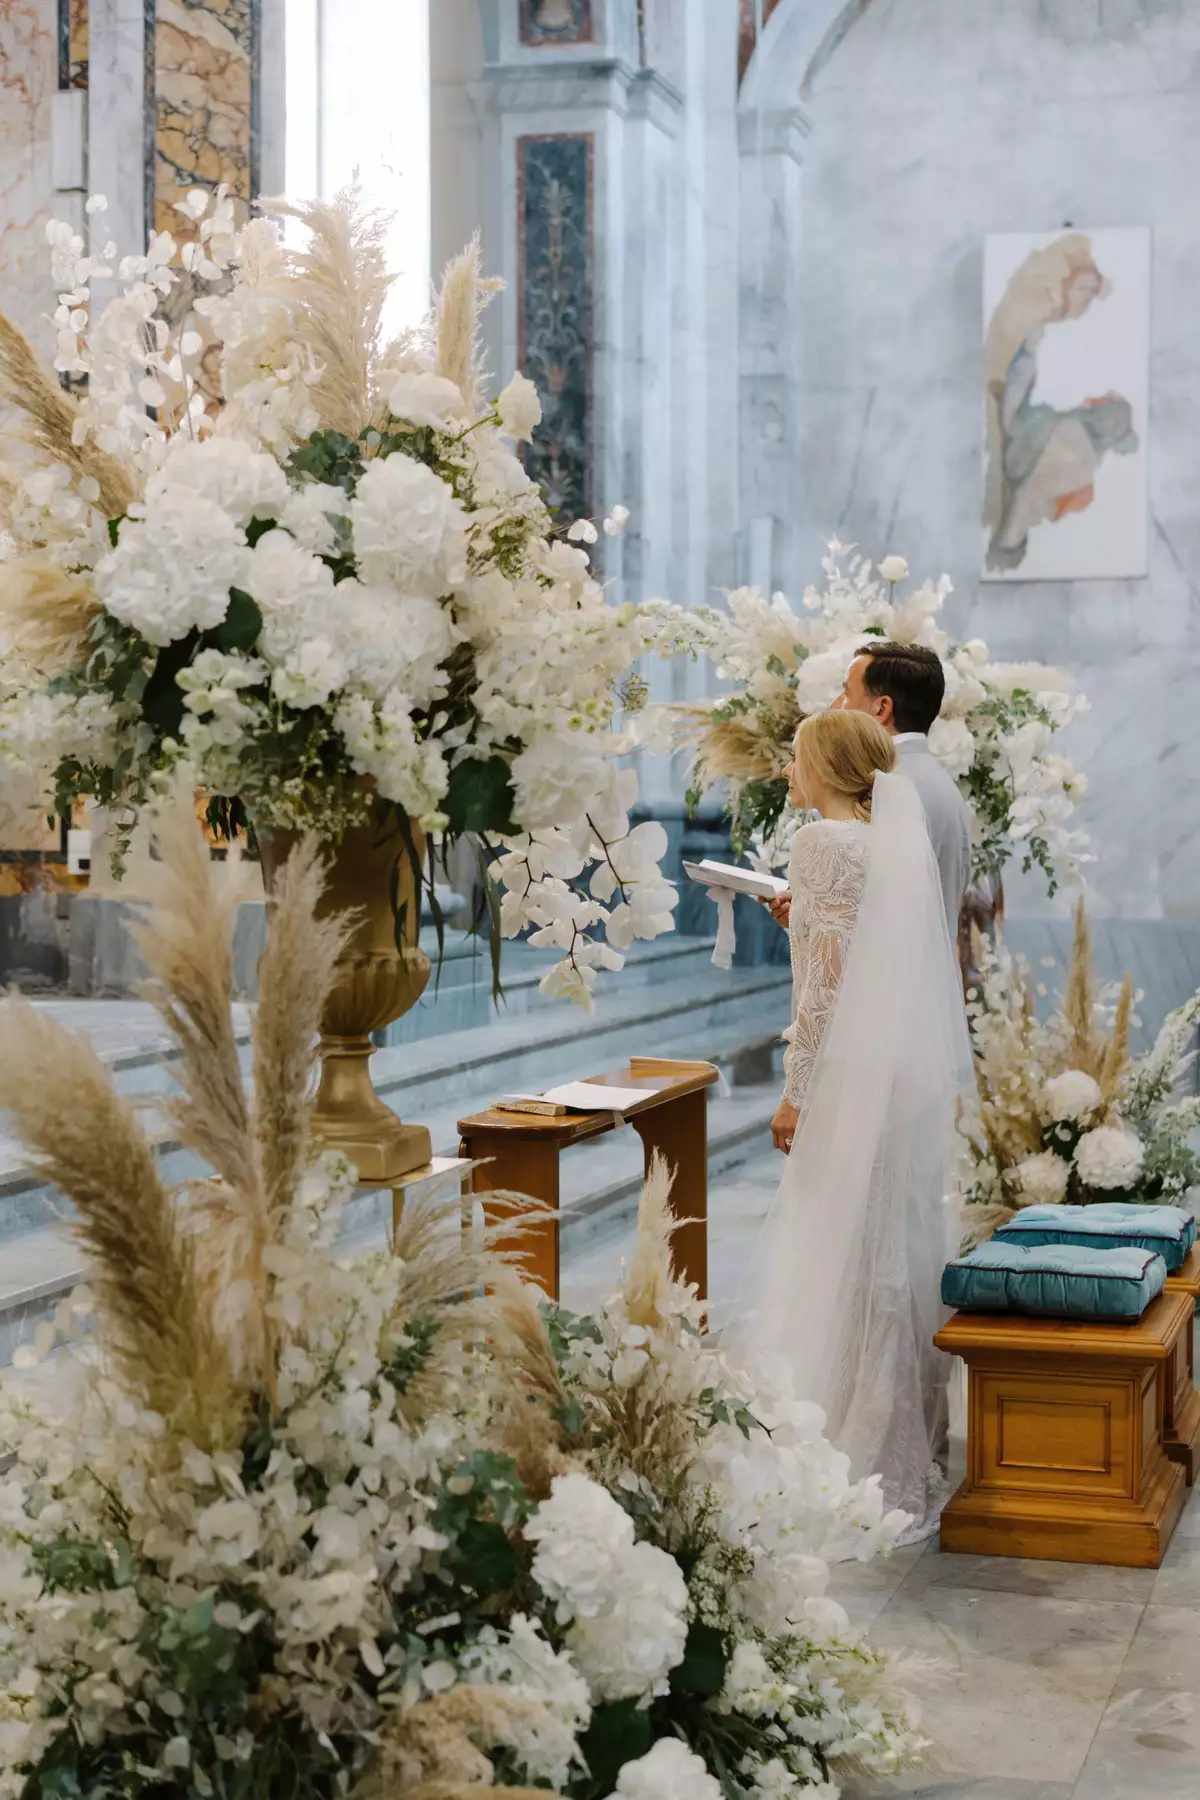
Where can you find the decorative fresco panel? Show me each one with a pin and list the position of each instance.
(748, 30)
(556, 326)
(556, 22)
(72, 43)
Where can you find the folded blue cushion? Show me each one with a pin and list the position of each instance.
(1168, 1230)
(1055, 1281)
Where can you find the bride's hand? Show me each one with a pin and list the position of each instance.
(783, 1126)
(780, 910)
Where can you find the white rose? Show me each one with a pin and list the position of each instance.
(953, 743)
(425, 399)
(1109, 1157)
(893, 569)
(1070, 1096)
(1042, 1179)
(520, 409)
(670, 1771)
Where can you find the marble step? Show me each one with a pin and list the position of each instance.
(601, 1184)
(441, 1079)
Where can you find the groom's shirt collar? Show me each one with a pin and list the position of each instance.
(910, 737)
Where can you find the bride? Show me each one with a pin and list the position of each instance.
(847, 1272)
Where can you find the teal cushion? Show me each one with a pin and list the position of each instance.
(1055, 1281)
(1168, 1230)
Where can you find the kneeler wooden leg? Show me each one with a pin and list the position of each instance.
(680, 1132)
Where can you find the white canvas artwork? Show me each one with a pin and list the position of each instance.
(1066, 386)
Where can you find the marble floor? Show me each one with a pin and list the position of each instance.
(1051, 1681)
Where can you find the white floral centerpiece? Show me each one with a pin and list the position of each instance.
(1064, 1114)
(339, 592)
(996, 735)
(292, 1527)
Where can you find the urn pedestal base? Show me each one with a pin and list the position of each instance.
(380, 975)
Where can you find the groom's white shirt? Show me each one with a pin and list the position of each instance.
(946, 816)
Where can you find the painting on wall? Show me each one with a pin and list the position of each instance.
(1066, 386)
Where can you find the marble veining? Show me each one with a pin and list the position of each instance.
(203, 78)
(555, 288)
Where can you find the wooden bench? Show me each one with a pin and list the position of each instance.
(520, 1152)
(1181, 1430)
(1065, 1445)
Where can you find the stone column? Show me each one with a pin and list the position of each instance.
(771, 154)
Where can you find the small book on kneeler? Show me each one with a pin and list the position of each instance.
(532, 1103)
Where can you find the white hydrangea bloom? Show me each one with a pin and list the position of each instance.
(1042, 1179)
(583, 1537)
(245, 483)
(1109, 1157)
(670, 1771)
(309, 514)
(408, 528)
(1070, 1096)
(628, 1649)
(171, 572)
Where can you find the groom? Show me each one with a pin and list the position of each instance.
(903, 686)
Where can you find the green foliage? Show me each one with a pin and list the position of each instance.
(480, 797)
(329, 456)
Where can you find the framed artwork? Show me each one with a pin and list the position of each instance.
(1066, 394)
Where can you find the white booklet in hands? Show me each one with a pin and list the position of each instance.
(739, 881)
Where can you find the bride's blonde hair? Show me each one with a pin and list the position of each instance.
(841, 753)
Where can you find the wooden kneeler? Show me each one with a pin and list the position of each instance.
(1065, 1451)
(1181, 1427)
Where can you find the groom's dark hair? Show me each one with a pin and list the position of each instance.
(913, 679)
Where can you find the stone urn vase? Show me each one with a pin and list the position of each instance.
(377, 981)
(982, 911)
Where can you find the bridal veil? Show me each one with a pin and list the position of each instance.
(847, 1275)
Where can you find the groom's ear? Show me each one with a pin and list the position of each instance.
(885, 711)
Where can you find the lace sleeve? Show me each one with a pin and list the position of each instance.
(826, 883)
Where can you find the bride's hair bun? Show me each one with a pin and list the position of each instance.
(842, 753)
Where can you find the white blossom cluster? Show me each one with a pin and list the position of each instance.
(999, 722)
(295, 613)
(131, 1560)
(1046, 1132)
(764, 1506)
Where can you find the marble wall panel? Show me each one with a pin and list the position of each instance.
(556, 263)
(1038, 121)
(203, 55)
(29, 33)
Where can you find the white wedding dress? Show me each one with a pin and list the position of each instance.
(846, 1275)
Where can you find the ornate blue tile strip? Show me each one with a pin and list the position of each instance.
(556, 275)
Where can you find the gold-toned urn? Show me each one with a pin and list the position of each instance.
(376, 983)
